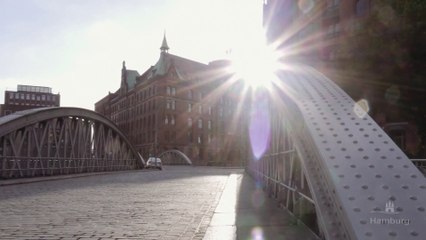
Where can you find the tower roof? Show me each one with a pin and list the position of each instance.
(164, 47)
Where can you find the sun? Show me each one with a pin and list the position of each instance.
(255, 63)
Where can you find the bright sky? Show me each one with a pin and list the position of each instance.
(76, 47)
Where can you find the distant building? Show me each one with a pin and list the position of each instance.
(180, 104)
(28, 97)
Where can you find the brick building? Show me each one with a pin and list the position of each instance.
(317, 34)
(180, 104)
(28, 97)
(314, 30)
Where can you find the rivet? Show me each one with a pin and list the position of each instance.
(413, 198)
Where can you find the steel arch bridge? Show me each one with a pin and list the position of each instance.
(62, 140)
(174, 157)
(328, 160)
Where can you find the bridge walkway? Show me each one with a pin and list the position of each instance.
(246, 212)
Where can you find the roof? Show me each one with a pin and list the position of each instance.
(185, 68)
(131, 76)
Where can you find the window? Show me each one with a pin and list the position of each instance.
(38, 98)
(189, 107)
(166, 120)
(43, 97)
(333, 3)
(173, 91)
(333, 30)
(210, 110)
(16, 95)
(10, 96)
(168, 104)
(189, 122)
(190, 136)
(173, 104)
(361, 7)
(199, 139)
(32, 97)
(209, 138)
(172, 121)
(200, 109)
(200, 95)
(168, 90)
(200, 123)
(22, 96)
(209, 124)
(220, 112)
(28, 96)
(190, 93)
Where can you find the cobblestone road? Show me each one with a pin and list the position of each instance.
(176, 203)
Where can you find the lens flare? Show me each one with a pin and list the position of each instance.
(361, 108)
(257, 233)
(255, 63)
(259, 129)
(392, 94)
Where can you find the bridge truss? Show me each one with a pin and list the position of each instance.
(327, 159)
(174, 157)
(51, 141)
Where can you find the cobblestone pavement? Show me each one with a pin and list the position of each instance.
(176, 203)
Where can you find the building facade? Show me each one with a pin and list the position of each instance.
(28, 97)
(313, 30)
(320, 33)
(180, 104)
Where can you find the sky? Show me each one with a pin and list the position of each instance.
(76, 47)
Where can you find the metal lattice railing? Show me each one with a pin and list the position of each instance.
(62, 141)
(30, 166)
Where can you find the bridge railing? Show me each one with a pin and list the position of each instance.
(13, 166)
(281, 176)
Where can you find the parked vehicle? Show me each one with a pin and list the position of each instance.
(154, 163)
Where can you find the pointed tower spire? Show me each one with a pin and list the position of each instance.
(164, 47)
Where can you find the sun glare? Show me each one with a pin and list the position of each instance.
(255, 63)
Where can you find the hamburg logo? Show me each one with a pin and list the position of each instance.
(389, 208)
